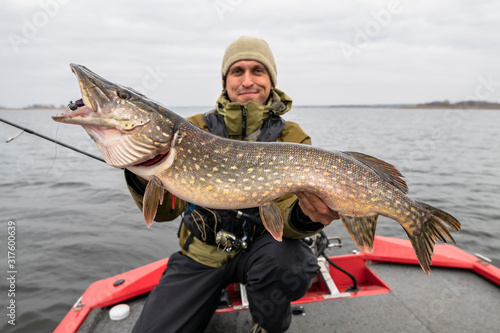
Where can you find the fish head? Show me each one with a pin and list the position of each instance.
(128, 128)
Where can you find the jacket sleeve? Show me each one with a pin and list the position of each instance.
(297, 225)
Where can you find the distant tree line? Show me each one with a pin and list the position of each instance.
(447, 103)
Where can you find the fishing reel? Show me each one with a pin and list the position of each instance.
(229, 242)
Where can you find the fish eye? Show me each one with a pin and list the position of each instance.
(123, 94)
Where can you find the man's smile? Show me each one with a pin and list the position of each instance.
(248, 93)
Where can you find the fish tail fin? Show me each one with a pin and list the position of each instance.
(362, 230)
(433, 228)
(272, 220)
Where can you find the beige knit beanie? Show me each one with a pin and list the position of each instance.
(249, 48)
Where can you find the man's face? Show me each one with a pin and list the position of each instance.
(248, 80)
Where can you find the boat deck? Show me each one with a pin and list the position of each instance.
(449, 300)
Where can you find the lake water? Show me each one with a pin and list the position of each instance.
(75, 221)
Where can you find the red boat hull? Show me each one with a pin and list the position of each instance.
(116, 289)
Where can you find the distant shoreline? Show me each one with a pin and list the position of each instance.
(479, 107)
(36, 108)
(368, 106)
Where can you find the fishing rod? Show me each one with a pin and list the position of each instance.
(27, 130)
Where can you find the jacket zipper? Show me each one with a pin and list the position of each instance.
(244, 113)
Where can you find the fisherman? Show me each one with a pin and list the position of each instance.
(220, 247)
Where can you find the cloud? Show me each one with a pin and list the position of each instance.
(400, 50)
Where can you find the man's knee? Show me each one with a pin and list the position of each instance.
(283, 274)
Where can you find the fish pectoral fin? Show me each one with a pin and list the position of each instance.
(152, 197)
(362, 230)
(272, 219)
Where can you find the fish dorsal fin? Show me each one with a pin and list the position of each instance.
(384, 170)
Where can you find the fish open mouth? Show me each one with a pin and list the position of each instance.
(77, 116)
(154, 161)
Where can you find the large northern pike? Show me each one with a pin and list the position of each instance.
(134, 132)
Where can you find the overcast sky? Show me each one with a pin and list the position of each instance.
(327, 52)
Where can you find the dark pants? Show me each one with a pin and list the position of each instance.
(188, 294)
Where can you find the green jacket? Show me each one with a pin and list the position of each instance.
(294, 226)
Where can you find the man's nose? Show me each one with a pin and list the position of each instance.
(247, 79)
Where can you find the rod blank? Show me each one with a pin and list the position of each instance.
(27, 130)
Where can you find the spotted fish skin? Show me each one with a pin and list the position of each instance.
(136, 133)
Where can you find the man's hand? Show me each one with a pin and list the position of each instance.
(316, 209)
